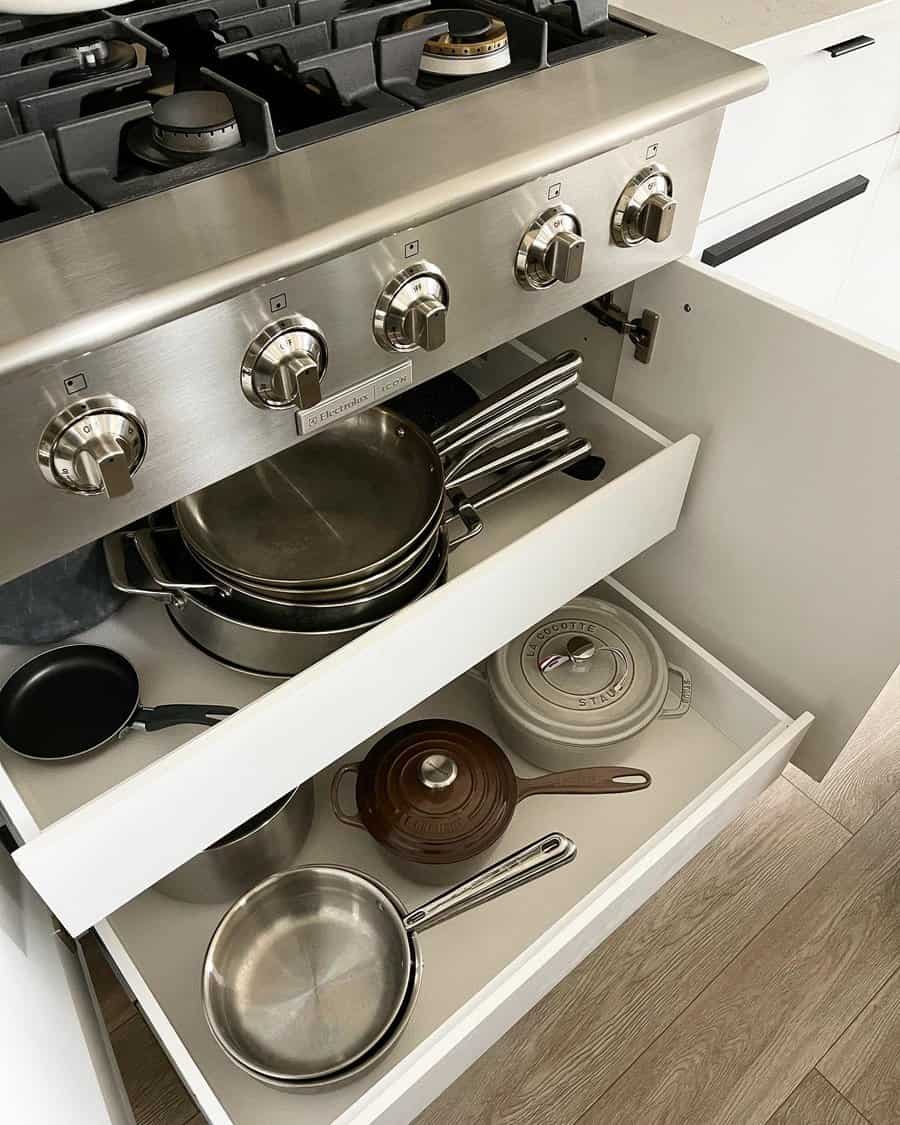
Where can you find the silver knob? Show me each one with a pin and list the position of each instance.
(564, 257)
(411, 311)
(94, 446)
(425, 323)
(646, 209)
(285, 364)
(551, 250)
(438, 771)
(580, 651)
(657, 217)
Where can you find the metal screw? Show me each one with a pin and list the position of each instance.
(687, 308)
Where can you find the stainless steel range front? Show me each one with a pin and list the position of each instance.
(188, 327)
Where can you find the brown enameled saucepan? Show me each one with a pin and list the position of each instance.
(438, 794)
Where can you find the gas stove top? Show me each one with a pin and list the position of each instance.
(101, 109)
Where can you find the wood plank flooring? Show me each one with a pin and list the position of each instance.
(815, 1102)
(760, 986)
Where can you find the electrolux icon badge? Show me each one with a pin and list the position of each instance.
(355, 399)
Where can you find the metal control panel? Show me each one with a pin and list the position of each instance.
(192, 386)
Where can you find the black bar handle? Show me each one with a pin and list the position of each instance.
(847, 45)
(740, 243)
(174, 714)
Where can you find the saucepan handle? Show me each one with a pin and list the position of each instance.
(176, 714)
(591, 779)
(509, 402)
(336, 806)
(114, 551)
(531, 472)
(530, 862)
(687, 691)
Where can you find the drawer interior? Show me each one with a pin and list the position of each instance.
(36, 794)
(471, 961)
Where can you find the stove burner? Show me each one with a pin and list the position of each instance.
(476, 44)
(185, 127)
(102, 56)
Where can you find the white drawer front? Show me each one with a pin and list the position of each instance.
(100, 830)
(809, 262)
(705, 767)
(816, 108)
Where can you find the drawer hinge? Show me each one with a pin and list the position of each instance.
(641, 331)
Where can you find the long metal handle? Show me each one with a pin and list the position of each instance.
(114, 551)
(507, 403)
(543, 413)
(531, 473)
(145, 542)
(531, 862)
(534, 440)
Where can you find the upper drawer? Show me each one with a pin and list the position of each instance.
(825, 99)
(101, 828)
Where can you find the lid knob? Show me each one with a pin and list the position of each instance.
(438, 771)
(580, 651)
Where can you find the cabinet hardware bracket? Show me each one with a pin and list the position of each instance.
(641, 331)
(63, 934)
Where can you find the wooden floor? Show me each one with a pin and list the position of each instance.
(760, 986)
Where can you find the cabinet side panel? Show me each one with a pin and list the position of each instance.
(787, 558)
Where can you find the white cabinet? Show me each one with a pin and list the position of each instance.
(787, 559)
(55, 1063)
(824, 100)
(802, 241)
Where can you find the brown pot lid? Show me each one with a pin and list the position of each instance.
(436, 791)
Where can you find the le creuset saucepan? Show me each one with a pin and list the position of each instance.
(308, 975)
(438, 795)
(74, 699)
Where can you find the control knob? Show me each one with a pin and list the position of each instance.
(646, 209)
(411, 311)
(285, 364)
(94, 446)
(551, 250)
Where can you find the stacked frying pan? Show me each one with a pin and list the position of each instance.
(338, 532)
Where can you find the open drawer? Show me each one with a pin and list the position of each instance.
(786, 562)
(99, 830)
(705, 767)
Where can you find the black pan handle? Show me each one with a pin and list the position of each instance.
(174, 714)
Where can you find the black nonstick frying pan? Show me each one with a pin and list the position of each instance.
(74, 699)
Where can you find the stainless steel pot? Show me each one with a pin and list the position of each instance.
(268, 842)
(331, 936)
(242, 642)
(237, 642)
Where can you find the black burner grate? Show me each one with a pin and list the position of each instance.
(78, 92)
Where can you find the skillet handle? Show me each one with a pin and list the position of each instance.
(496, 452)
(593, 779)
(174, 714)
(466, 508)
(545, 381)
(336, 807)
(145, 542)
(530, 862)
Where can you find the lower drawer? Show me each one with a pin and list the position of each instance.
(483, 970)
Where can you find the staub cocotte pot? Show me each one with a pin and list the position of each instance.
(582, 680)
